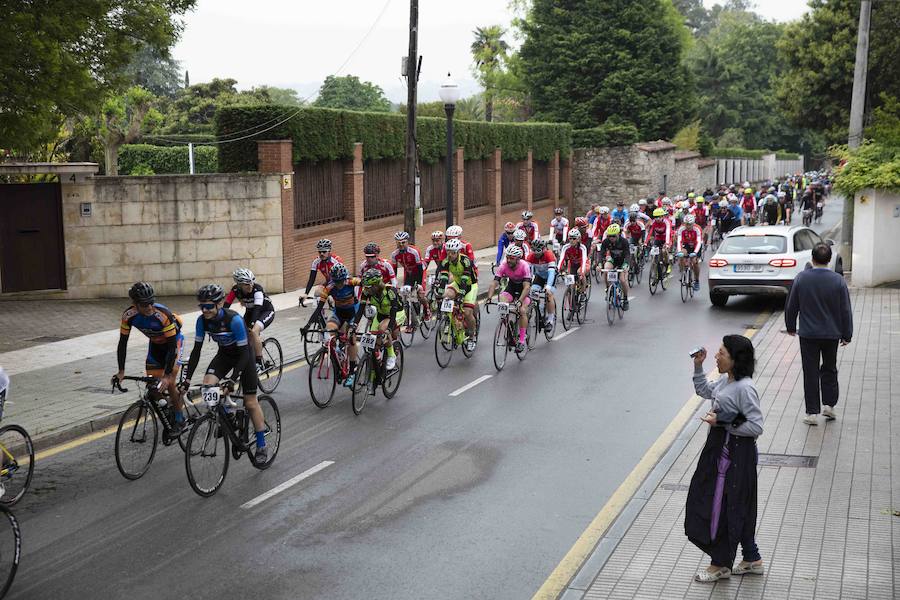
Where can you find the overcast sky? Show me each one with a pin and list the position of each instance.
(297, 43)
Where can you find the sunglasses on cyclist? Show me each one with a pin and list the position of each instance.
(207, 306)
(144, 304)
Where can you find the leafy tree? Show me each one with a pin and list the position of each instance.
(585, 61)
(688, 137)
(489, 51)
(155, 70)
(277, 95)
(732, 137)
(122, 120)
(351, 93)
(63, 57)
(818, 53)
(885, 126)
(192, 111)
(467, 109)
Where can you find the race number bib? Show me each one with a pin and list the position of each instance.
(612, 276)
(447, 305)
(431, 279)
(367, 341)
(210, 396)
(405, 289)
(536, 293)
(570, 280)
(654, 251)
(503, 308)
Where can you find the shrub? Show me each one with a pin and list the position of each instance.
(871, 165)
(608, 134)
(167, 159)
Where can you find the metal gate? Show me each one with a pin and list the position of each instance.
(32, 256)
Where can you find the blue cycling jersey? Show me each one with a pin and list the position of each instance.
(502, 243)
(226, 329)
(619, 215)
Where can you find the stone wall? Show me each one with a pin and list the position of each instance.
(176, 232)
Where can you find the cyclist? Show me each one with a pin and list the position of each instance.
(505, 240)
(614, 251)
(689, 241)
(226, 328)
(559, 227)
(620, 214)
(321, 264)
(434, 251)
(458, 271)
(340, 290)
(259, 312)
(373, 261)
(413, 264)
(455, 232)
(389, 312)
(543, 267)
(163, 328)
(786, 207)
(584, 229)
(529, 225)
(701, 216)
(603, 221)
(519, 239)
(573, 258)
(518, 274)
(659, 234)
(635, 229)
(641, 210)
(771, 210)
(748, 207)
(733, 216)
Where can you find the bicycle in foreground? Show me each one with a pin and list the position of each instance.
(372, 371)
(506, 335)
(10, 548)
(268, 374)
(657, 275)
(636, 262)
(575, 300)
(415, 317)
(615, 296)
(687, 278)
(226, 432)
(329, 367)
(538, 319)
(138, 435)
(451, 331)
(16, 459)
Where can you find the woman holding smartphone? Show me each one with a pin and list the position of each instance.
(721, 502)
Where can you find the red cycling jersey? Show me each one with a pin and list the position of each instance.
(690, 238)
(387, 271)
(701, 214)
(748, 203)
(600, 225)
(660, 230)
(530, 229)
(573, 256)
(411, 260)
(635, 229)
(432, 253)
(324, 266)
(543, 258)
(467, 250)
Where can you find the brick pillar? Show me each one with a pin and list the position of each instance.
(526, 186)
(565, 188)
(553, 179)
(459, 186)
(493, 185)
(354, 205)
(275, 156)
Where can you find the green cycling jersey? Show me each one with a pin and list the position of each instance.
(461, 271)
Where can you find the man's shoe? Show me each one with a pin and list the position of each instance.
(261, 455)
(828, 413)
(175, 429)
(520, 347)
(470, 345)
(625, 304)
(348, 383)
(696, 286)
(391, 363)
(811, 420)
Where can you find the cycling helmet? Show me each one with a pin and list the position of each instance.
(514, 252)
(401, 235)
(580, 222)
(243, 275)
(620, 203)
(211, 292)
(339, 272)
(538, 245)
(692, 195)
(454, 231)
(574, 235)
(453, 245)
(527, 214)
(604, 210)
(723, 203)
(689, 219)
(642, 202)
(748, 191)
(371, 277)
(323, 245)
(613, 229)
(659, 212)
(771, 189)
(372, 249)
(634, 208)
(437, 235)
(519, 235)
(509, 227)
(557, 211)
(142, 292)
(700, 199)
(667, 201)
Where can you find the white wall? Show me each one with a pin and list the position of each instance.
(876, 238)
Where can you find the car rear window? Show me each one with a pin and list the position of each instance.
(753, 244)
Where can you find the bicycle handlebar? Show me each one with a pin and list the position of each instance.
(117, 384)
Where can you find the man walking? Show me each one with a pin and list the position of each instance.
(822, 299)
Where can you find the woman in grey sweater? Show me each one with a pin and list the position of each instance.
(721, 502)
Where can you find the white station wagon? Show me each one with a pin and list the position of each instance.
(762, 260)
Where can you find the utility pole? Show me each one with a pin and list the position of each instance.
(412, 82)
(857, 108)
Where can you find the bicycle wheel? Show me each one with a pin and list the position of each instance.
(273, 365)
(550, 325)
(663, 274)
(620, 301)
(426, 325)
(206, 461)
(568, 314)
(322, 378)
(611, 304)
(10, 549)
(136, 440)
(443, 342)
(391, 382)
(598, 275)
(17, 462)
(362, 385)
(653, 276)
(406, 337)
(501, 347)
(534, 325)
(314, 338)
(581, 302)
(685, 282)
(272, 433)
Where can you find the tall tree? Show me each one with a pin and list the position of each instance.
(61, 58)
(351, 93)
(122, 120)
(155, 70)
(489, 51)
(192, 111)
(589, 61)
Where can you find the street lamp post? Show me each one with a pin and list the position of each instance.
(449, 94)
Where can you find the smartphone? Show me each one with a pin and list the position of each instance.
(696, 351)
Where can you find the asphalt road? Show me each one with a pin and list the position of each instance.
(477, 495)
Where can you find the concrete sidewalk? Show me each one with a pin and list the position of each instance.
(829, 496)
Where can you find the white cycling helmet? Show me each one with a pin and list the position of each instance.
(723, 203)
(454, 231)
(634, 208)
(243, 275)
(515, 252)
(604, 210)
(782, 194)
(642, 202)
(574, 235)
(453, 245)
(519, 235)
(667, 201)
(689, 219)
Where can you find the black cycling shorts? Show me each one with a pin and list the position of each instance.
(223, 363)
(265, 315)
(412, 279)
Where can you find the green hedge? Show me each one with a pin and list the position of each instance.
(753, 154)
(871, 165)
(145, 159)
(782, 155)
(176, 139)
(328, 134)
(605, 135)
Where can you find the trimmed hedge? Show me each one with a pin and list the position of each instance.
(176, 139)
(144, 159)
(753, 154)
(329, 134)
(605, 135)
(782, 155)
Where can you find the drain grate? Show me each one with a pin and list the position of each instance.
(675, 487)
(92, 389)
(46, 339)
(788, 460)
(106, 406)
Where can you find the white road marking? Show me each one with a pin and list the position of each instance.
(565, 333)
(469, 386)
(290, 482)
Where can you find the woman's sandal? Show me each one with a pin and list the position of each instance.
(754, 568)
(704, 576)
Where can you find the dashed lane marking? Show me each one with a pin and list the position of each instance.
(565, 333)
(469, 386)
(287, 484)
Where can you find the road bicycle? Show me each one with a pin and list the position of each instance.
(819, 207)
(506, 336)
(807, 217)
(268, 373)
(636, 263)
(538, 319)
(372, 370)
(450, 332)
(687, 278)
(615, 296)
(575, 301)
(10, 548)
(138, 436)
(16, 459)
(658, 272)
(415, 317)
(226, 432)
(313, 333)
(329, 367)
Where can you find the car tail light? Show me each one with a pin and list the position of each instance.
(717, 262)
(783, 262)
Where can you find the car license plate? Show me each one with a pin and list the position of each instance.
(748, 268)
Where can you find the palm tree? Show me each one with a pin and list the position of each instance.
(488, 52)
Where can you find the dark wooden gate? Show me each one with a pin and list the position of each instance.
(32, 256)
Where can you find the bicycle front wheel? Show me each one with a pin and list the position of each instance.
(322, 378)
(611, 305)
(534, 325)
(408, 329)
(443, 342)
(568, 307)
(206, 460)
(272, 433)
(10, 549)
(136, 440)
(273, 363)
(363, 384)
(501, 345)
(392, 378)
(17, 463)
(313, 339)
(653, 276)
(685, 283)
